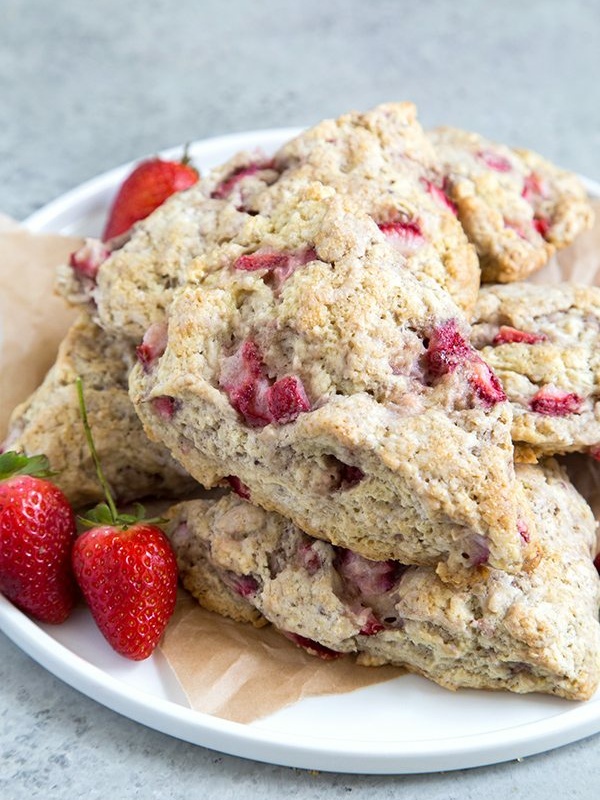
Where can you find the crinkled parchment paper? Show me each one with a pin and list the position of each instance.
(225, 668)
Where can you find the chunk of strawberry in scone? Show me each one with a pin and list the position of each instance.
(244, 585)
(238, 487)
(286, 399)
(508, 335)
(165, 406)
(278, 265)
(484, 382)
(555, 402)
(312, 647)
(153, 345)
(87, 260)
(244, 379)
(224, 189)
(534, 188)
(495, 161)
(367, 577)
(439, 193)
(251, 393)
(448, 350)
(406, 236)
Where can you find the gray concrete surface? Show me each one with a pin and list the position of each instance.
(85, 86)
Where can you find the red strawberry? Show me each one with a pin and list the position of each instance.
(37, 530)
(128, 576)
(126, 569)
(146, 188)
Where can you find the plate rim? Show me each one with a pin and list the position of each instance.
(239, 739)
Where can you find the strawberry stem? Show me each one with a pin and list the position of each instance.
(110, 502)
(186, 158)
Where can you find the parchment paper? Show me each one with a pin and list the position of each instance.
(227, 669)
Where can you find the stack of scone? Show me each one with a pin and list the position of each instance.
(307, 330)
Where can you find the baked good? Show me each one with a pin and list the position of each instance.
(537, 630)
(516, 207)
(543, 343)
(377, 160)
(339, 389)
(382, 161)
(49, 422)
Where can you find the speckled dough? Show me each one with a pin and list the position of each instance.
(515, 206)
(49, 422)
(534, 631)
(377, 160)
(543, 342)
(382, 455)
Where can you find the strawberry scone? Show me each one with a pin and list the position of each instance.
(516, 207)
(543, 343)
(536, 631)
(327, 382)
(380, 160)
(49, 422)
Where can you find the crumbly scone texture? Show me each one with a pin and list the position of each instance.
(516, 207)
(341, 393)
(543, 343)
(49, 422)
(379, 161)
(536, 631)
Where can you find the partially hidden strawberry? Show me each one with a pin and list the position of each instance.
(145, 189)
(37, 531)
(126, 569)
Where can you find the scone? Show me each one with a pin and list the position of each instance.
(340, 390)
(382, 161)
(515, 206)
(50, 422)
(536, 631)
(543, 343)
(378, 161)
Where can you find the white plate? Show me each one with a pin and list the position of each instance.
(405, 726)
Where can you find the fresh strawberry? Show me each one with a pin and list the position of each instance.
(146, 188)
(126, 569)
(128, 575)
(37, 530)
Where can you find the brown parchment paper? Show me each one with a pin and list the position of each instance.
(32, 319)
(227, 669)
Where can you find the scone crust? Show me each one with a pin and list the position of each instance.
(516, 207)
(551, 376)
(49, 422)
(353, 327)
(534, 631)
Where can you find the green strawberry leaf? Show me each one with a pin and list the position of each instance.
(102, 515)
(13, 463)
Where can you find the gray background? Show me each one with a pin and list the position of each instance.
(86, 86)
